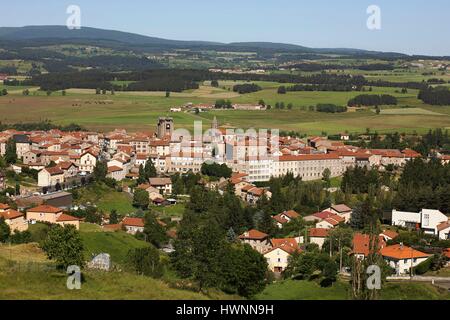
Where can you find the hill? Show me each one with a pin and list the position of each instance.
(26, 274)
(117, 244)
(45, 35)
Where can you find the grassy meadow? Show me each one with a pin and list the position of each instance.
(310, 290)
(140, 111)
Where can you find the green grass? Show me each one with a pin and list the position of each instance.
(140, 112)
(106, 199)
(117, 244)
(303, 290)
(25, 273)
(170, 211)
(51, 285)
(310, 290)
(413, 291)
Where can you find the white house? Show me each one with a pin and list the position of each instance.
(278, 257)
(331, 222)
(88, 161)
(318, 236)
(116, 173)
(427, 220)
(133, 225)
(341, 210)
(403, 258)
(285, 217)
(50, 177)
(444, 230)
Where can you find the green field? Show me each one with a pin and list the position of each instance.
(117, 244)
(26, 274)
(106, 199)
(140, 111)
(310, 290)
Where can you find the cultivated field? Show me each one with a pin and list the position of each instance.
(140, 110)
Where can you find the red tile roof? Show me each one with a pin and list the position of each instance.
(390, 234)
(65, 217)
(278, 218)
(318, 232)
(114, 169)
(323, 215)
(11, 214)
(341, 208)
(402, 252)
(291, 214)
(54, 171)
(289, 245)
(335, 220)
(133, 222)
(45, 209)
(4, 206)
(308, 157)
(253, 235)
(361, 243)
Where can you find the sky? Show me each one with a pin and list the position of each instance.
(407, 26)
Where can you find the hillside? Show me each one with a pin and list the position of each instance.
(61, 34)
(117, 244)
(26, 274)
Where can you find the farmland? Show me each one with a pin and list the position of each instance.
(140, 110)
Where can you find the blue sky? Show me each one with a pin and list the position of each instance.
(410, 26)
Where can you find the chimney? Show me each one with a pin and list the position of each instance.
(401, 245)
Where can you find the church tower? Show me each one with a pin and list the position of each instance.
(165, 127)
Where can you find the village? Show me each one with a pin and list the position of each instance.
(65, 161)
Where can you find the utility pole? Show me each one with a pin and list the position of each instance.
(340, 255)
(331, 246)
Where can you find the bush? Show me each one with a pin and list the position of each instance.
(21, 237)
(146, 261)
(424, 267)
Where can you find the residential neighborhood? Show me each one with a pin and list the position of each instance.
(267, 154)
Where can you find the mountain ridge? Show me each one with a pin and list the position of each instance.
(62, 33)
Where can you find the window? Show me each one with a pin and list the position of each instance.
(426, 219)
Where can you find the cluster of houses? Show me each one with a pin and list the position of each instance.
(204, 107)
(399, 257)
(19, 222)
(62, 158)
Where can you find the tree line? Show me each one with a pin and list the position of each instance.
(372, 100)
(246, 88)
(439, 96)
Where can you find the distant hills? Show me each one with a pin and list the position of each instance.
(61, 34)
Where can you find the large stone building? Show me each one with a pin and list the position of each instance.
(165, 127)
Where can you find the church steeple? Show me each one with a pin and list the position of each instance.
(215, 124)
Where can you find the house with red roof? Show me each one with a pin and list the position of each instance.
(285, 217)
(14, 219)
(341, 210)
(403, 258)
(258, 240)
(53, 215)
(278, 256)
(318, 236)
(389, 235)
(362, 245)
(133, 225)
(447, 255)
(50, 177)
(331, 222)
